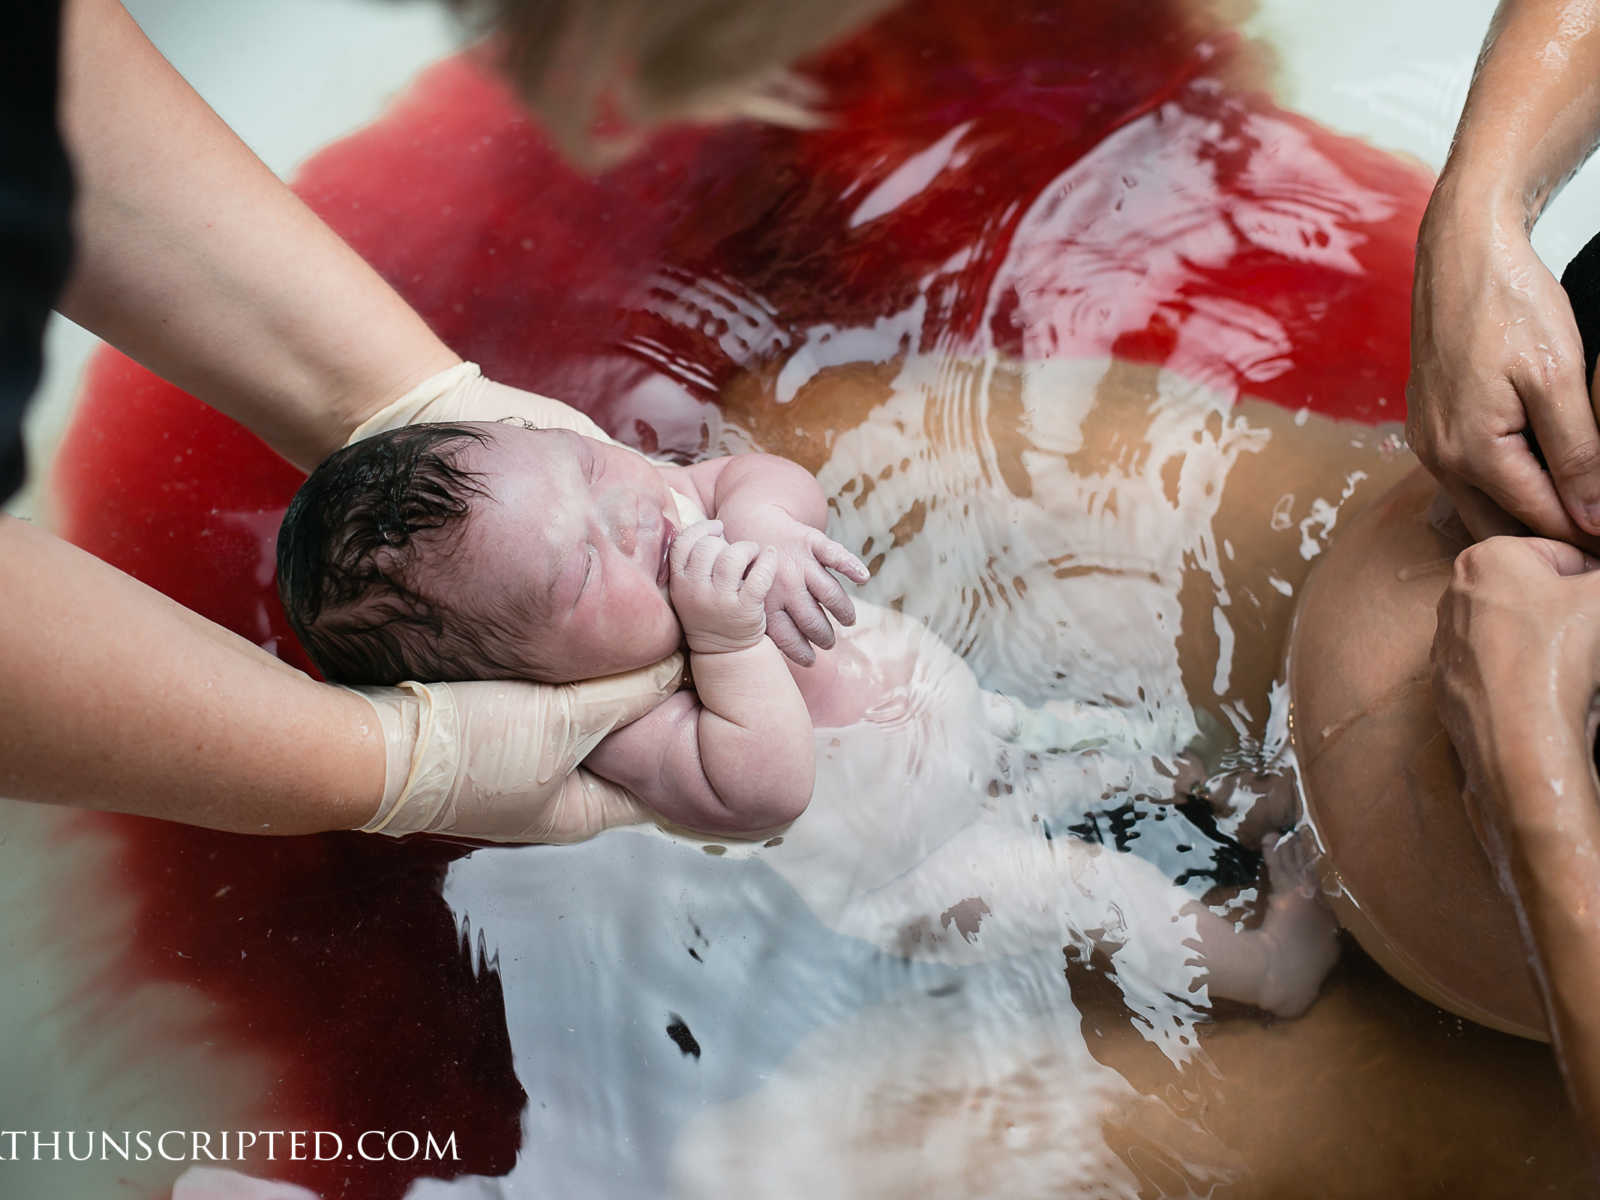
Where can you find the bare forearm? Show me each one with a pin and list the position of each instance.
(114, 697)
(1549, 832)
(715, 773)
(193, 258)
(1533, 113)
(754, 733)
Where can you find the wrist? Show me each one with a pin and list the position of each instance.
(714, 646)
(388, 404)
(421, 729)
(1472, 201)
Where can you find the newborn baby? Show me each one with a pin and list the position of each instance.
(614, 567)
(490, 550)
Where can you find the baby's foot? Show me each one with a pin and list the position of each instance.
(1300, 935)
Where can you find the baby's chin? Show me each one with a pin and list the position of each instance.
(599, 664)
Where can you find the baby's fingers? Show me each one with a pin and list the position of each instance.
(810, 619)
(789, 640)
(763, 572)
(834, 556)
(690, 537)
(703, 555)
(827, 592)
(731, 565)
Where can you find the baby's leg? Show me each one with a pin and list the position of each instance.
(1253, 790)
(1074, 726)
(1163, 756)
(997, 893)
(1279, 965)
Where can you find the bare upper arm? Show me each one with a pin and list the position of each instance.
(701, 482)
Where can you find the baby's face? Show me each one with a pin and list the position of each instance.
(570, 557)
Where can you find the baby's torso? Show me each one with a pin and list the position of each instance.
(869, 673)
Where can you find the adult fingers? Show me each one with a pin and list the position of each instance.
(1563, 558)
(1487, 515)
(616, 700)
(1555, 396)
(1482, 517)
(1491, 455)
(586, 805)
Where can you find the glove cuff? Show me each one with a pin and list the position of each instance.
(422, 736)
(404, 410)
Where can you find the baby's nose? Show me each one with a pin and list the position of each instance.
(625, 537)
(625, 520)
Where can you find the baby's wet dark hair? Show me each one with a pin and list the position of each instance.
(349, 547)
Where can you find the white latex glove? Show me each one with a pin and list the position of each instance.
(461, 393)
(499, 760)
(719, 591)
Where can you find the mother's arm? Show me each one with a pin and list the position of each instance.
(1495, 350)
(1516, 675)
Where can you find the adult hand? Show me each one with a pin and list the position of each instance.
(1516, 663)
(1516, 675)
(461, 393)
(499, 760)
(1495, 353)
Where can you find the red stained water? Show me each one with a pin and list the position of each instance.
(1117, 185)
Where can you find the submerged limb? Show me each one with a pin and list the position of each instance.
(1075, 726)
(1249, 786)
(1002, 893)
(1278, 966)
(1254, 793)
(1257, 802)
(1161, 744)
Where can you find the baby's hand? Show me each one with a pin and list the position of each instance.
(719, 590)
(803, 591)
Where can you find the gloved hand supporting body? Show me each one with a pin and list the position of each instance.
(498, 760)
(461, 393)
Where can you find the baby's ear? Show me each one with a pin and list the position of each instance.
(387, 559)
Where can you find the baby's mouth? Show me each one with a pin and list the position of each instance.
(669, 534)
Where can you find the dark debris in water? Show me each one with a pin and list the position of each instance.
(1232, 865)
(678, 1031)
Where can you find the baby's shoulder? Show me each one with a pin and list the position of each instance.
(696, 483)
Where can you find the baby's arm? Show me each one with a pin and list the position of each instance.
(739, 758)
(770, 500)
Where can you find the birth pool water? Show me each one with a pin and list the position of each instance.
(1015, 217)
